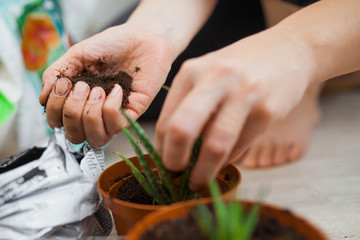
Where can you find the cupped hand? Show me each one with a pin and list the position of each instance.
(230, 96)
(90, 114)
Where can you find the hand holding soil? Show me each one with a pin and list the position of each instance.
(88, 112)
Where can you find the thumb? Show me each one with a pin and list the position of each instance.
(68, 65)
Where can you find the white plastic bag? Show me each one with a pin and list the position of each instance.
(53, 195)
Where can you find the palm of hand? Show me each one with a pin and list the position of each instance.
(146, 56)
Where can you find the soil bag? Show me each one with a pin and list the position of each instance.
(51, 192)
(32, 38)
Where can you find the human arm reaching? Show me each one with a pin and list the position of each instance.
(232, 95)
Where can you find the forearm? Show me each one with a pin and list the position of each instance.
(177, 20)
(331, 31)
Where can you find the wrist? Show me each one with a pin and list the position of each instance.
(154, 28)
(326, 28)
(302, 50)
(176, 21)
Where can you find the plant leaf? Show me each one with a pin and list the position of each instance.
(220, 211)
(235, 219)
(206, 222)
(251, 221)
(158, 194)
(138, 175)
(166, 177)
(167, 88)
(186, 193)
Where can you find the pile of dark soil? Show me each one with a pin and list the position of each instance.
(107, 82)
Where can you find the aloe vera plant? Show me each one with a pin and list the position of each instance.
(226, 221)
(163, 190)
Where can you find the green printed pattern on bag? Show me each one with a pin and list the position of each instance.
(6, 108)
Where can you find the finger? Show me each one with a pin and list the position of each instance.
(92, 119)
(186, 124)
(68, 65)
(72, 112)
(241, 158)
(180, 87)
(56, 101)
(113, 118)
(131, 114)
(255, 125)
(218, 141)
(138, 103)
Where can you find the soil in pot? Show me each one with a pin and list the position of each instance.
(186, 228)
(132, 191)
(107, 82)
(126, 213)
(177, 229)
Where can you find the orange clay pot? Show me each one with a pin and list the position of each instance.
(126, 214)
(284, 217)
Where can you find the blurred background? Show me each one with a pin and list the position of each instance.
(322, 186)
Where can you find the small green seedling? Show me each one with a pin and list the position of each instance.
(163, 190)
(226, 221)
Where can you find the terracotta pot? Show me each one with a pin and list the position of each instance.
(284, 217)
(126, 214)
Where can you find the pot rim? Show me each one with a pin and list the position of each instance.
(160, 216)
(112, 200)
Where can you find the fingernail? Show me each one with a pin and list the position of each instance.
(62, 86)
(95, 94)
(81, 89)
(115, 90)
